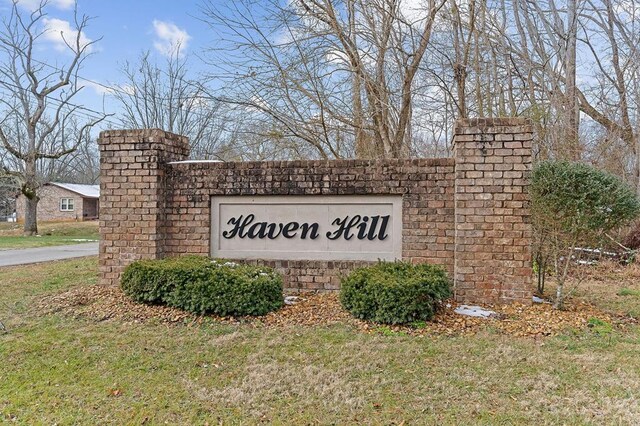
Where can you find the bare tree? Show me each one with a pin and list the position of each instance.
(338, 76)
(36, 117)
(167, 97)
(612, 35)
(365, 78)
(607, 35)
(464, 28)
(80, 166)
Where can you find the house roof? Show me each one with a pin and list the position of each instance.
(88, 191)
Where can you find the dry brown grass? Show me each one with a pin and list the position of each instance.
(604, 285)
(265, 381)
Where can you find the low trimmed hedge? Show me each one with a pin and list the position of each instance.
(395, 292)
(201, 285)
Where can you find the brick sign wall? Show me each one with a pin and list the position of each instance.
(468, 213)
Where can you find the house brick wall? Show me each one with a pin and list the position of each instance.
(153, 204)
(49, 205)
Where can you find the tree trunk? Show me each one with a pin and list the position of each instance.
(559, 302)
(30, 191)
(361, 148)
(30, 218)
(572, 116)
(460, 77)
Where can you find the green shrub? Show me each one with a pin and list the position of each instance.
(578, 198)
(395, 292)
(200, 285)
(150, 281)
(573, 205)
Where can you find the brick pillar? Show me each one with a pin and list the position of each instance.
(493, 232)
(132, 195)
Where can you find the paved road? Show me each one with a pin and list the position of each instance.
(46, 254)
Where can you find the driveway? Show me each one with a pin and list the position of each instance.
(46, 254)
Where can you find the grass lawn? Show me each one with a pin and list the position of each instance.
(64, 370)
(51, 234)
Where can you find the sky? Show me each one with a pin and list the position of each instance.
(125, 29)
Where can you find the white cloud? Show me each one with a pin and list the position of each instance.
(169, 38)
(57, 31)
(98, 88)
(337, 57)
(626, 9)
(127, 88)
(198, 102)
(105, 89)
(34, 4)
(414, 10)
(259, 102)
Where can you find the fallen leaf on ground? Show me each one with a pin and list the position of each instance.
(109, 303)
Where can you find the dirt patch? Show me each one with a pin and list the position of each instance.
(101, 303)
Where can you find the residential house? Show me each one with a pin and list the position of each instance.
(64, 202)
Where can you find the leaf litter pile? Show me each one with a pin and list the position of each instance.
(102, 303)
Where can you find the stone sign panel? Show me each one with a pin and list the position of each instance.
(307, 227)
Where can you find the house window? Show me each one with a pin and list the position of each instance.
(66, 204)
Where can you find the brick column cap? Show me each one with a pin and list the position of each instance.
(463, 125)
(142, 133)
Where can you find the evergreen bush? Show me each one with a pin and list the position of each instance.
(203, 286)
(395, 292)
